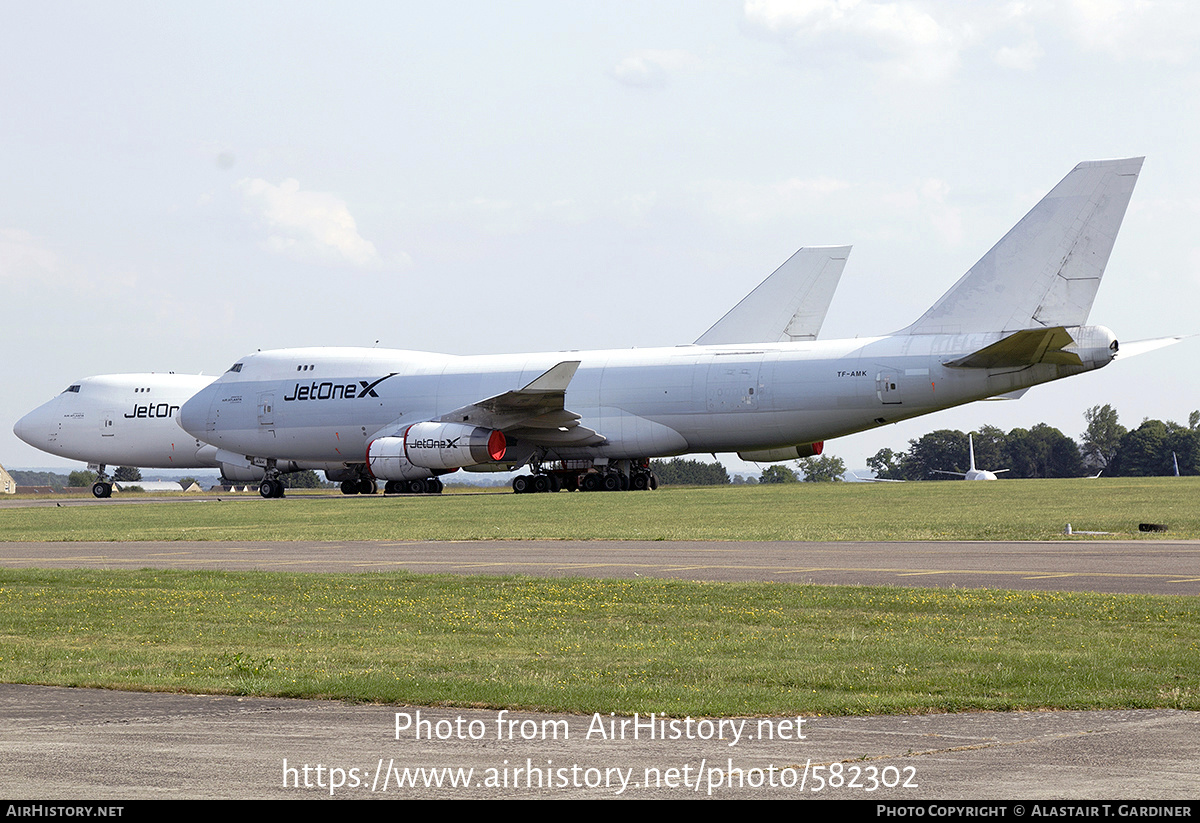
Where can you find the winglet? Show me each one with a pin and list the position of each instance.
(535, 413)
(554, 379)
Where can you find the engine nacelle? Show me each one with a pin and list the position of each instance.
(386, 461)
(452, 445)
(786, 453)
(242, 474)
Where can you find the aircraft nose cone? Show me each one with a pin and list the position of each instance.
(192, 416)
(34, 428)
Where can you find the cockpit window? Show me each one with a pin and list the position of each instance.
(74, 388)
(236, 367)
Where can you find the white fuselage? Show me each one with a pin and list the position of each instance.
(328, 404)
(120, 419)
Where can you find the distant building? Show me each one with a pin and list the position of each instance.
(150, 485)
(7, 484)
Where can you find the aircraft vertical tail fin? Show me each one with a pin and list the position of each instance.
(789, 305)
(1046, 270)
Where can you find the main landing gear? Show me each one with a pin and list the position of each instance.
(366, 485)
(626, 475)
(359, 485)
(426, 485)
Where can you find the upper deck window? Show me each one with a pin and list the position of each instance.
(74, 388)
(236, 367)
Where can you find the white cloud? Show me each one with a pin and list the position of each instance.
(651, 68)
(308, 226)
(896, 36)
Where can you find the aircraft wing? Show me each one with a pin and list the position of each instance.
(535, 413)
(789, 305)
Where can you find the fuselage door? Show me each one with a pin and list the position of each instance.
(266, 409)
(732, 383)
(887, 387)
(108, 424)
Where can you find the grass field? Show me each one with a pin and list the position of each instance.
(603, 645)
(952, 510)
(598, 645)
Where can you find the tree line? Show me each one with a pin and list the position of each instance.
(681, 472)
(1106, 446)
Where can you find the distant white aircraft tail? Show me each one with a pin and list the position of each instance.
(789, 305)
(974, 472)
(1044, 273)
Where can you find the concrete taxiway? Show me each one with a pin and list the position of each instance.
(100, 745)
(1114, 566)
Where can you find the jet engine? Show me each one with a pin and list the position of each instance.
(786, 453)
(438, 446)
(386, 461)
(242, 474)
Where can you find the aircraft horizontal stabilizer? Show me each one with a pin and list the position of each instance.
(1142, 346)
(535, 413)
(1023, 348)
(1012, 395)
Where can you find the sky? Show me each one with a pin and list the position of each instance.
(186, 183)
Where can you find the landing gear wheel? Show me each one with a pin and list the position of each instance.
(640, 482)
(591, 482)
(433, 485)
(540, 483)
(522, 483)
(612, 483)
(349, 487)
(366, 486)
(101, 490)
(271, 488)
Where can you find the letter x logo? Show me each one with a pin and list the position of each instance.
(369, 388)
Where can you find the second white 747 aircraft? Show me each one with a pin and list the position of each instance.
(592, 420)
